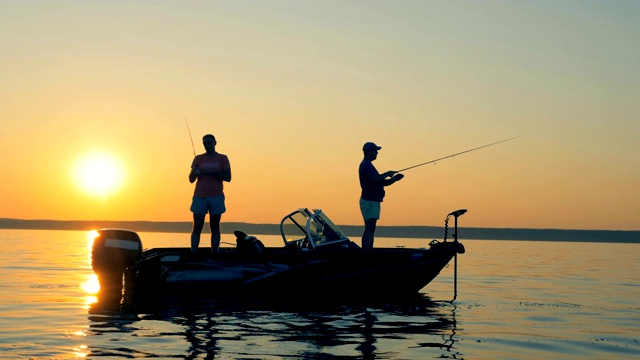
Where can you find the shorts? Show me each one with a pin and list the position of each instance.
(370, 209)
(214, 205)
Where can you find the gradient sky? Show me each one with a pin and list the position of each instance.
(292, 89)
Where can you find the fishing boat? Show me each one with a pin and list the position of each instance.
(317, 259)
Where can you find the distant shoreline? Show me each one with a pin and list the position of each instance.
(353, 231)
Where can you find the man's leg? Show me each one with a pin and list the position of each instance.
(215, 232)
(198, 224)
(367, 236)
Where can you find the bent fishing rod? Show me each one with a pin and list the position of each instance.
(462, 152)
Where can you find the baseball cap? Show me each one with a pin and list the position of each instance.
(370, 146)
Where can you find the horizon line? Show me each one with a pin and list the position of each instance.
(277, 224)
(351, 231)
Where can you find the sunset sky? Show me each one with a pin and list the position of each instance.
(292, 90)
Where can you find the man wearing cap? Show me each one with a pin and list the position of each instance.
(372, 184)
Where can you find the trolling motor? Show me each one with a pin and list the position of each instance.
(459, 247)
(455, 245)
(461, 250)
(458, 212)
(455, 214)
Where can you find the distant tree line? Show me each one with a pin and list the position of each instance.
(352, 231)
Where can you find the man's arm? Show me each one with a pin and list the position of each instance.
(193, 174)
(224, 174)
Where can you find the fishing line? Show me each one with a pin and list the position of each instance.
(462, 152)
(190, 137)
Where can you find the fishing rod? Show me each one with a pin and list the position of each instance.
(462, 152)
(190, 137)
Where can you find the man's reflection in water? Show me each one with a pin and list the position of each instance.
(201, 334)
(367, 348)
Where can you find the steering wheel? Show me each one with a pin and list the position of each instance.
(304, 243)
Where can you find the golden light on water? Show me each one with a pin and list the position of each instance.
(89, 300)
(91, 235)
(81, 351)
(91, 286)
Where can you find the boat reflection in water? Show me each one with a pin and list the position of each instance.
(412, 328)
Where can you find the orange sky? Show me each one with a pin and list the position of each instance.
(293, 89)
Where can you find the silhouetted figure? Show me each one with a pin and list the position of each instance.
(210, 170)
(372, 184)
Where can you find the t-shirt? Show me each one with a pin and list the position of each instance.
(371, 190)
(207, 184)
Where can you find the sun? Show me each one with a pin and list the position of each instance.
(98, 173)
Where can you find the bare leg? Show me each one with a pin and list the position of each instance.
(367, 236)
(198, 224)
(215, 232)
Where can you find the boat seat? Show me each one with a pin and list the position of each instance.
(248, 243)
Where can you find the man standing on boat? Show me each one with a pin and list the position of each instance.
(210, 169)
(372, 184)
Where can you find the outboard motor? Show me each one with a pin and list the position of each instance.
(114, 250)
(248, 243)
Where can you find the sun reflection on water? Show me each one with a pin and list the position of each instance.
(91, 235)
(81, 351)
(92, 285)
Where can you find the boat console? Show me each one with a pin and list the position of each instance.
(312, 230)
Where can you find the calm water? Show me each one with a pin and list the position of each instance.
(524, 300)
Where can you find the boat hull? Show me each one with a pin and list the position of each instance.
(277, 272)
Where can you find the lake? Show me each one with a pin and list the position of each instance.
(516, 299)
